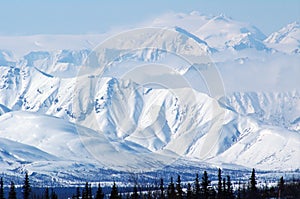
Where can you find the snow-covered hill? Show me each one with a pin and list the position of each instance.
(154, 102)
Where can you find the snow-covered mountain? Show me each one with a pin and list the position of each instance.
(286, 39)
(151, 106)
(275, 108)
(153, 120)
(215, 31)
(220, 30)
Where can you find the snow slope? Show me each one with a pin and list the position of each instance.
(151, 106)
(215, 30)
(265, 147)
(273, 108)
(219, 30)
(134, 119)
(286, 39)
(29, 134)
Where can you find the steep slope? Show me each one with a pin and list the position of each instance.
(263, 148)
(279, 109)
(3, 109)
(246, 41)
(286, 39)
(135, 120)
(137, 117)
(190, 121)
(155, 118)
(142, 111)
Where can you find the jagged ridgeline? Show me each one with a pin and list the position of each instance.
(120, 124)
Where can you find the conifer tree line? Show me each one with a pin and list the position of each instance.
(200, 188)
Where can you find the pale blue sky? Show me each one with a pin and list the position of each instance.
(20, 17)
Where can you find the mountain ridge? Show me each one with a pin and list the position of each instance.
(148, 99)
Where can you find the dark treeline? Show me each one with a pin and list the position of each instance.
(200, 188)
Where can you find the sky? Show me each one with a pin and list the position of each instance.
(30, 17)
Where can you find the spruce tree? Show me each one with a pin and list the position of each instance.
(85, 191)
(114, 192)
(135, 194)
(171, 189)
(219, 188)
(99, 193)
(90, 194)
(239, 196)
(265, 191)
(161, 187)
(197, 187)
(26, 187)
(253, 188)
(189, 193)
(53, 194)
(46, 193)
(229, 188)
(280, 187)
(224, 192)
(83, 194)
(244, 191)
(204, 185)
(149, 193)
(212, 193)
(179, 193)
(77, 193)
(1, 188)
(12, 191)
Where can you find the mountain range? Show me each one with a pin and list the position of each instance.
(150, 107)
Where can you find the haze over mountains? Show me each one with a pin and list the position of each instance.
(53, 116)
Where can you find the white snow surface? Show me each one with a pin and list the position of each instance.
(286, 39)
(53, 117)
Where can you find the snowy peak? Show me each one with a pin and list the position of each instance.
(221, 29)
(286, 39)
(191, 21)
(130, 119)
(213, 30)
(246, 41)
(222, 18)
(290, 31)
